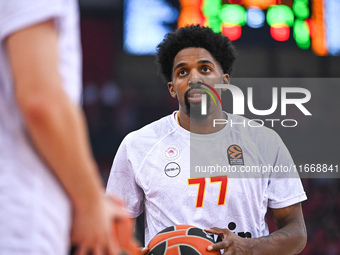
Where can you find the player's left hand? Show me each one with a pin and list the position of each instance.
(231, 244)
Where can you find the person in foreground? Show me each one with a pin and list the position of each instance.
(51, 194)
(151, 170)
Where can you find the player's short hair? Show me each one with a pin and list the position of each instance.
(195, 36)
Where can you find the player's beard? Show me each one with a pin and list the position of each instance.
(193, 110)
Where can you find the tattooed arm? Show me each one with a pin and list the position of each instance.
(290, 238)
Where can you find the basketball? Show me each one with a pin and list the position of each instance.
(181, 240)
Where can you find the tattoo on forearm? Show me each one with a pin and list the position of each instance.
(278, 234)
(285, 233)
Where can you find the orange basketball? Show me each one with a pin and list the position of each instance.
(181, 240)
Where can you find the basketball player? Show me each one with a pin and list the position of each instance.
(151, 170)
(50, 190)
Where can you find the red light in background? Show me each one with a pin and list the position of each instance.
(280, 32)
(236, 1)
(312, 29)
(233, 32)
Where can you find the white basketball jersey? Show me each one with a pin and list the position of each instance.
(151, 172)
(35, 212)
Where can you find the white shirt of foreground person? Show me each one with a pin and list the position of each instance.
(35, 212)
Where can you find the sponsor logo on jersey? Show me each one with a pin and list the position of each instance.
(232, 227)
(235, 155)
(172, 169)
(171, 153)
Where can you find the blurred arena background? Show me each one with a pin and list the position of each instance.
(274, 39)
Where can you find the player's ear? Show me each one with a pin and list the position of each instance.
(226, 80)
(172, 89)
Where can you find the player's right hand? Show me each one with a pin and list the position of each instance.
(93, 229)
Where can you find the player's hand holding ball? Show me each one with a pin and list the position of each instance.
(231, 244)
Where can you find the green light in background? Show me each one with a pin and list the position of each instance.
(214, 24)
(301, 34)
(279, 15)
(304, 46)
(211, 8)
(301, 9)
(302, 1)
(233, 14)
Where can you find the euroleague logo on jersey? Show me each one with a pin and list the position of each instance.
(235, 155)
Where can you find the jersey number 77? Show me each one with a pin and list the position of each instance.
(201, 182)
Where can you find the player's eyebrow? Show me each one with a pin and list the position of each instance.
(180, 65)
(204, 61)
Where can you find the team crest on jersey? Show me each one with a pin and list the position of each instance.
(235, 155)
(171, 153)
(172, 169)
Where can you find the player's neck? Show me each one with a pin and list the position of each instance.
(200, 126)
